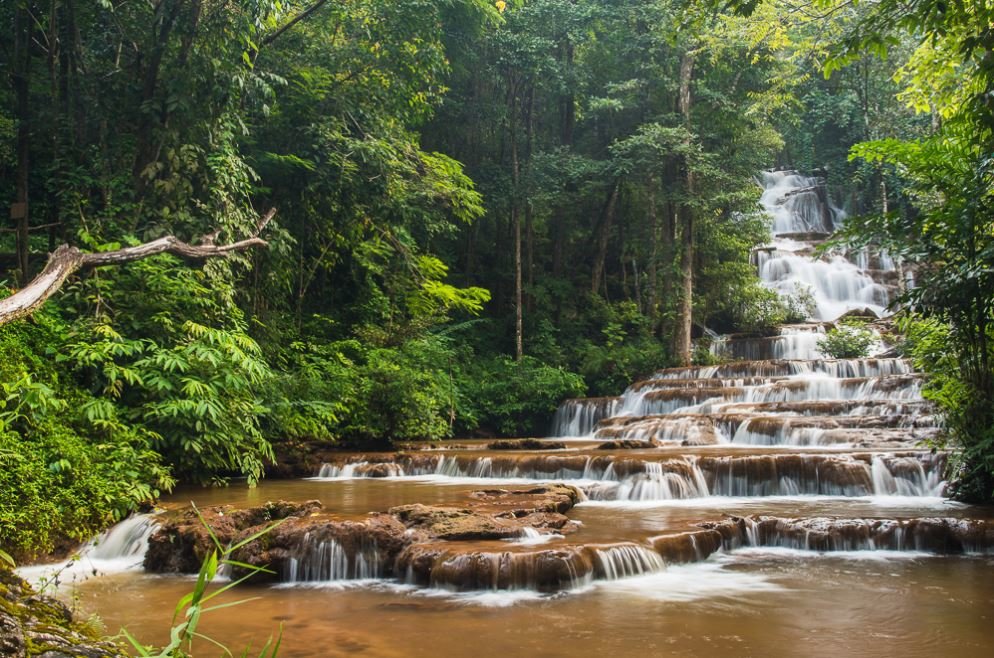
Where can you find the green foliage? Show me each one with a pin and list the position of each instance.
(193, 383)
(754, 308)
(196, 396)
(757, 309)
(514, 398)
(801, 305)
(309, 397)
(61, 477)
(847, 340)
(406, 393)
(56, 485)
(360, 393)
(964, 410)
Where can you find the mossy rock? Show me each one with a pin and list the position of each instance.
(34, 625)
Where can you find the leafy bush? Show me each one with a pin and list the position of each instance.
(800, 305)
(760, 310)
(346, 390)
(406, 393)
(57, 485)
(514, 398)
(849, 340)
(195, 394)
(703, 356)
(61, 477)
(313, 392)
(194, 384)
(931, 345)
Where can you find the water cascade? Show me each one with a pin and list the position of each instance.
(803, 216)
(121, 548)
(323, 560)
(750, 478)
(678, 478)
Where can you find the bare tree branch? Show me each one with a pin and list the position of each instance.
(67, 260)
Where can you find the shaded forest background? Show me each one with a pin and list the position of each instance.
(482, 209)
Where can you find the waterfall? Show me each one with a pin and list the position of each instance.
(625, 561)
(128, 540)
(579, 417)
(120, 548)
(933, 535)
(794, 342)
(644, 480)
(327, 560)
(802, 214)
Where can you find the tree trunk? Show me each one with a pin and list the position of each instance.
(146, 151)
(667, 257)
(652, 273)
(603, 237)
(685, 310)
(529, 223)
(567, 123)
(519, 350)
(512, 97)
(20, 76)
(67, 260)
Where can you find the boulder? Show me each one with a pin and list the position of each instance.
(182, 541)
(626, 444)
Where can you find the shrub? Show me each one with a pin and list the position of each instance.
(800, 305)
(195, 391)
(57, 485)
(62, 478)
(760, 311)
(515, 398)
(348, 391)
(934, 348)
(849, 340)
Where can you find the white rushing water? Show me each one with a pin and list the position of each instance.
(120, 548)
(799, 205)
(324, 560)
(689, 477)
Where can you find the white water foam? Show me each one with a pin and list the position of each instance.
(119, 549)
(691, 582)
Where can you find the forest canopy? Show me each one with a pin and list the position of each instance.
(482, 209)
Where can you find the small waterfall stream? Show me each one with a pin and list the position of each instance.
(121, 548)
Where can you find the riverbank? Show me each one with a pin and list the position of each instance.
(33, 624)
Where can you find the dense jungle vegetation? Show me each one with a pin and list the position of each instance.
(482, 208)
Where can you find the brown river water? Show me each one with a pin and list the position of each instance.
(750, 602)
(759, 604)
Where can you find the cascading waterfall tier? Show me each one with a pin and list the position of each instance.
(120, 548)
(616, 478)
(931, 535)
(803, 215)
(862, 403)
(780, 390)
(326, 560)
